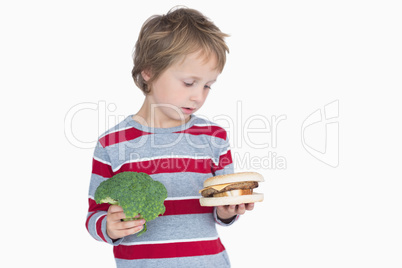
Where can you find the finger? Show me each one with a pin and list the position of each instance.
(225, 207)
(116, 216)
(137, 229)
(232, 209)
(115, 208)
(124, 225)
(241, 209)
(130, 231)
(250, 206)
(130, 218)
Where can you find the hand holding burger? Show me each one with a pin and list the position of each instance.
(228, 212)
(232, 194)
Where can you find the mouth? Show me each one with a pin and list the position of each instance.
(187, 110)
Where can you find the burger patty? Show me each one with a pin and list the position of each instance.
(234, 186)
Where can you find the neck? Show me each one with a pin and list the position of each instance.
(150, 115)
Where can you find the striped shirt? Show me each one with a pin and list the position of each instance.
(181, 158)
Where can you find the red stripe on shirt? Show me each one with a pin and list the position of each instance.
(169, 165)
(214, 131)
(99, 228)
(101, 169)
(186, 206)
(224, 160)
(121, 136)
(164, 165)
(169, 250)
(93, 206)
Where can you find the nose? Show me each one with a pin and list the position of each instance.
(198, 93)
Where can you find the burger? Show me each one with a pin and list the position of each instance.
(231, 189)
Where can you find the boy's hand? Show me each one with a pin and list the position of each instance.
(226, 213)
(116, 228)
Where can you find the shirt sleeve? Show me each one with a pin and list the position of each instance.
(224, 166)
(96, 216)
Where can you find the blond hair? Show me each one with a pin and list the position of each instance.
(165, 39)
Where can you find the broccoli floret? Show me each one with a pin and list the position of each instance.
(136, 193)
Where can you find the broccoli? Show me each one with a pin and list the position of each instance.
(136, 193)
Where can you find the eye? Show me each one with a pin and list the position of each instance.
(208, 87)
(188, 84)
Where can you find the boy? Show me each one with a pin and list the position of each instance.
(177, 58)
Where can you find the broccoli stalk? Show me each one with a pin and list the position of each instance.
(136, 193)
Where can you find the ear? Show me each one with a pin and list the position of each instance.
(146, 75)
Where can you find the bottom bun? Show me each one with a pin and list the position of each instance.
(231, 200)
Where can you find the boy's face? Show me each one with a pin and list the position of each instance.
(181, 90)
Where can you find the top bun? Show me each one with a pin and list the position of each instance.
(235, 177)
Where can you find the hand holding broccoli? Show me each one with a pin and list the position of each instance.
(138, 196)
(116, 228)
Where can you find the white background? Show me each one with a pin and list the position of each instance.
(287, 58)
